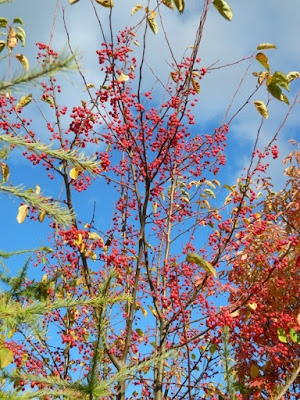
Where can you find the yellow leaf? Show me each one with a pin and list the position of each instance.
(74, 173)
(195, 258)
(6, 357)
(37, 189)
(145, 312)
(89, 85)
(23, 60)
(136, 8)
(154, 205)
(12, 40)
(42, 215)
(253, 306)
(22, 214)
(106, 3)
(153, 25)
(24, 101)
(196, 85)
(94, 236)
(162, 196)
(123, 78)
(4, 171)
(78, 241)
(153, 311)
(261, 108)
(73, 1)
(266, 46)
(234, 314)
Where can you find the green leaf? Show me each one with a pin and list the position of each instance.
(282, 335)
(266, 46)
(281, 79)
(24, 101)
(229, 188)
(2, 45)
(21, 35)
(6, 357)
(277, 92)
(294, 336)
(213, 349)
(18, 20)
(210, 193)
(263, 59)
(261, 108)
(23, 60)
(140, 332)
(293, 75)
(179, 5)
(223, 8)
(195, 258)
(153, 25)
(3, 22)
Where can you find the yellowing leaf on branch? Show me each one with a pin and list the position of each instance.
(263, 59)
(153, 25)
(37, 189)
(4, 171)
(24, 101)
(22, 214)
(106, 3)
(293, 75)
(195, 258)
(223, 8)
(73, 1)
(180, 5)
(136, 8)
(6, 357)
(42, 215)
(74, 172)
(23, 60)
(196, 85)
(261, 108)
(210, 193)
(12, 39)
(154, 205)
(123, 78)
(168, 3)
(266, 46)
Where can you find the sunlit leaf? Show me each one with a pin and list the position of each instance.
(195, 258)
(210, 193)
(73, 1)
(153, 311)
(4, 171)
(2, 45)
(263, 59)
(74, 172)
(154, 205)
(12, 39)
(266, 46)
(282, 336)
(123, 78)
(252, 305)
(294, 336)
(21, 35)
(136, 8)
(153, 25)
(18, 20)
(22, 213)
(23, 60)
(106, 3)
(281, 79)
(3, 22)
(24, 101)
(6, 357)
(88, 86)
(261, 108)
(168, 3)
(196, 85)
(277, 92)
(37, 189)
(293, 75)
(144, 312)
(42, 215)
(223, 8)
(140, 332)
(180, 5)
